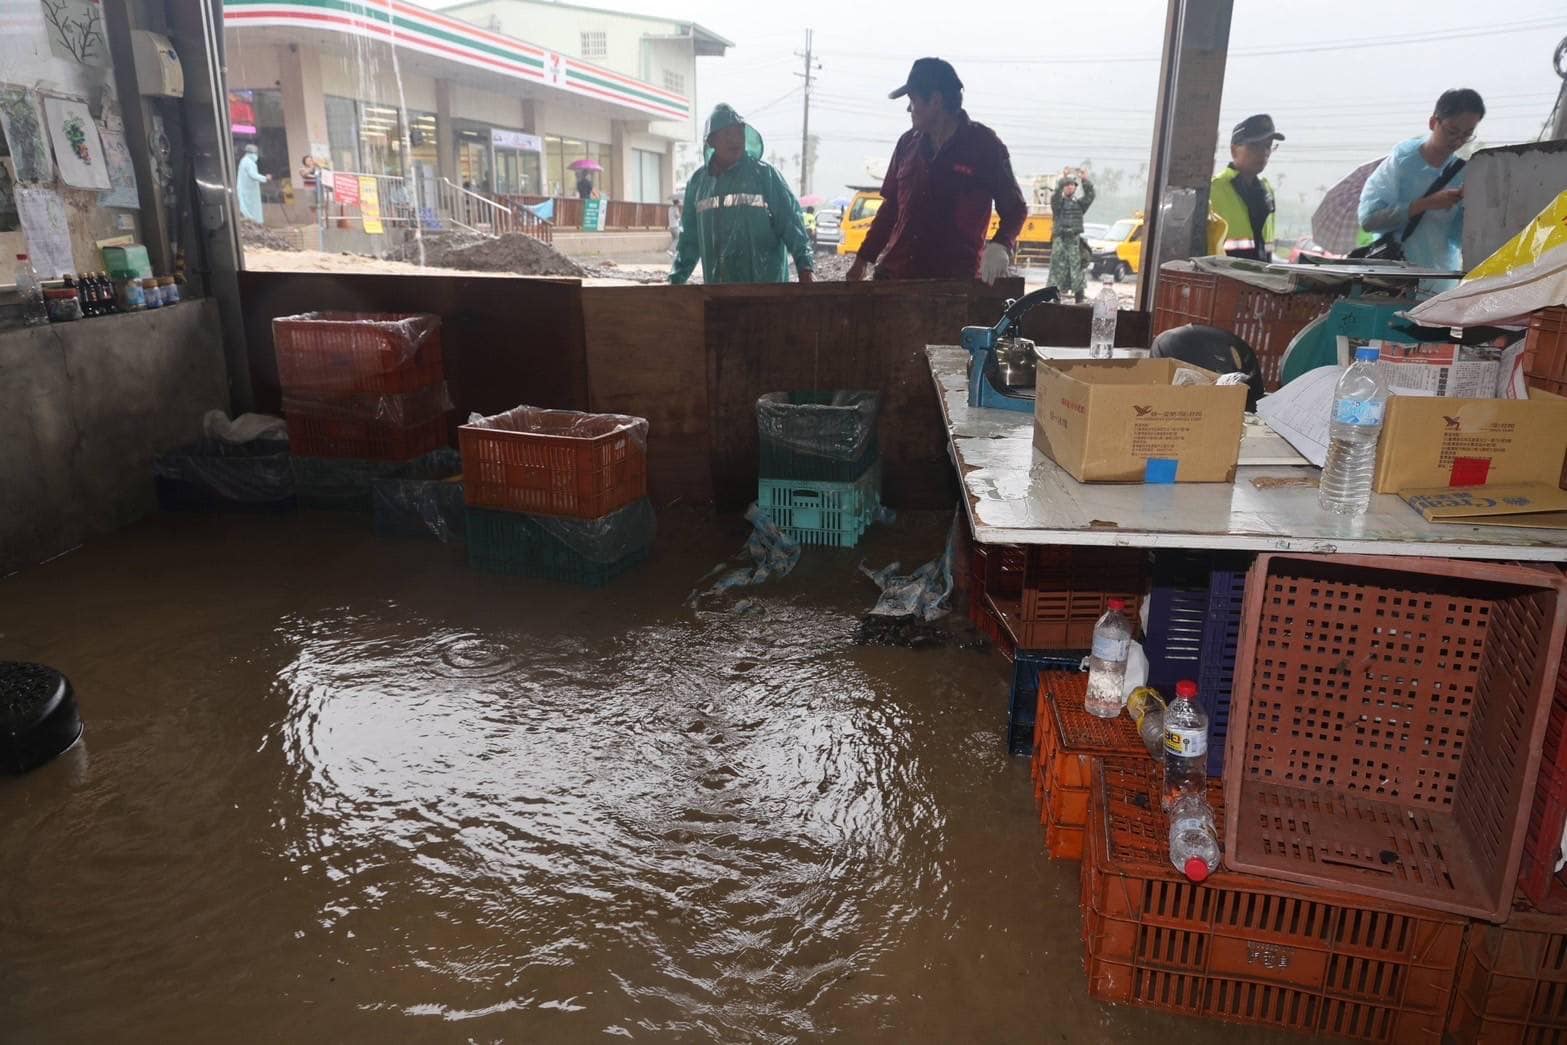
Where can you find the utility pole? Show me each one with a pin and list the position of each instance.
(805, 127)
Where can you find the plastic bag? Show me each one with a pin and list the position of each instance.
(210, 474)
(1527, 273)
(771, 551)
(838, 426)
(409, 408)
(573, 424)
(607, 539)
(421, 499)
(333, 354)
(338, 483)
(922, 594)
(215, 424)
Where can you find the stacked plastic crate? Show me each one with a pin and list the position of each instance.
(820, 464)
(363, 393)
(556, 494)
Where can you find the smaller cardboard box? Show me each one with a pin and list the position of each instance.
(1435, 442)
(1533, 505)
(1127, 421)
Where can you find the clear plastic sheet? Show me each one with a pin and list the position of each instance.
(923, 594)
(837, 425)
(211, 473)
(395, 336)
(421, 499)
(338, 483)
(607, 539)
(407, 409)
(571, 424)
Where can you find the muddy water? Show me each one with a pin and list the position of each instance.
(340, 789)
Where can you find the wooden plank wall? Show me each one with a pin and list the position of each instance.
(692, 360)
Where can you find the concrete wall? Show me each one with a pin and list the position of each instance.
(84, 407)
(1503, 191)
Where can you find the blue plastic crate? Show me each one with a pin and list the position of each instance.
(1220, 645)
(824, 513)
(1194, 623)
(1026, 668)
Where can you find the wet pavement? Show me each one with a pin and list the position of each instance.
(335, 788)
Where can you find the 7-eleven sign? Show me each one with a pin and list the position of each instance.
(555, 69)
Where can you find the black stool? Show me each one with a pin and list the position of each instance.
(38, 717)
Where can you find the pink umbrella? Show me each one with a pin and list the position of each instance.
(584, 165)
(813, 200)
(1336, 223)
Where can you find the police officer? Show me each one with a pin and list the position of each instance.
(1241, 195)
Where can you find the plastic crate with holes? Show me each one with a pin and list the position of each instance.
(1538, 879)
(329, 355)
(554, 462)
(1512, 984)
(1068, 741)
(1265, 320)
(1244, 949)
(1049, 597)
(1028, 668)
(1194, 621)
(821, 436)
(589, 552)
(835, 514)
(1387, 723)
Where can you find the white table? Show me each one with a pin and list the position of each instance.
(1016, 495)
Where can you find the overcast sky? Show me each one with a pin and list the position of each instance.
(1063, 83)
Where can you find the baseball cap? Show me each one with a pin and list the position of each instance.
(1257, 128)
(927, 76)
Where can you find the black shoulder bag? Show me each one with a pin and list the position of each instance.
(1389, 247)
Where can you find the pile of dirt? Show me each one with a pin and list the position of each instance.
(253, 235)
(512, 252)
(833, 267)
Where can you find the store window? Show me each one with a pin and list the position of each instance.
(595, 45)
(256, 118)
(647, 180)
(674, 82)
(342, 129)
(561, 153)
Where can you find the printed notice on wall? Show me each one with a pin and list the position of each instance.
(42, 213)
(370, 205)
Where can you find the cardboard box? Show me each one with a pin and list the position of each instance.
(1125, 421)
(1435, 442)
(1532, 505)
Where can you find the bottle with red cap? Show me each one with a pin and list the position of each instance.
(1194, 841)
(1107, 662)
(1185, 746)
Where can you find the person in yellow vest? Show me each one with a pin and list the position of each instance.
(1241, 195)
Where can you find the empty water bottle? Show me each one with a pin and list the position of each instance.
(31, 292)
(1147, 711)
(1106, 305)
(1194, 840)
(1185, 745)
(1107, 662)
(1358, 403)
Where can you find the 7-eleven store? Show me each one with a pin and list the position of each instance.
(493, 114)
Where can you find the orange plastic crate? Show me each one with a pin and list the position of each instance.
(1068, 740)
(554, 462)
(331, 354)
(1246, 949)
(1512, 986)
(1266, 321)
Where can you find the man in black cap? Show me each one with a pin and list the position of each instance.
(1241, 195)
(944, 175)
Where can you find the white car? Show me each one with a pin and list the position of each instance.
(829, 230)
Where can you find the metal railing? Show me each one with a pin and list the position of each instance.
(452, 207)
(618, 214)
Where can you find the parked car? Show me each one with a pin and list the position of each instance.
(1119, 250)
(829, 229)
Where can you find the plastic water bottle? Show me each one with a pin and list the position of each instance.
(1107, 662)
(30, 290)
(1358, 405)
(1106, 305)
(1194, 840)
(1147, 710)
(1185, 745)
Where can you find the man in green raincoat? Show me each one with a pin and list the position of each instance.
(739, 218)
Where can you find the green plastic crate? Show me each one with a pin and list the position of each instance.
(518, 545)
(835, 514)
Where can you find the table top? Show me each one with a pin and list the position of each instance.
(1014, 494)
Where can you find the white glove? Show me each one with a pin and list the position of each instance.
(993, 264)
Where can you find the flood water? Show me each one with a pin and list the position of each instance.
(334, 788)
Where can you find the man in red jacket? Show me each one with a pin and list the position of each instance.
(936, 199)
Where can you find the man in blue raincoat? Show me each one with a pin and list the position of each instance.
(248, 186)
(739, 217)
